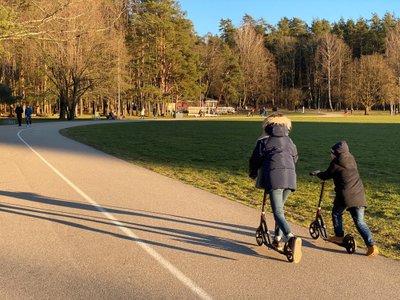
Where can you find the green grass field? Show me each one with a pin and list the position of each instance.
(213, 155)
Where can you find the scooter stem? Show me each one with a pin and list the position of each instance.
(264, 200)
(321, 194)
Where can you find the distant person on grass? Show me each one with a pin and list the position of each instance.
(19, 111)
(155, 114)
(273, 164)
(28, 115)
(350, 195)
(142, 113)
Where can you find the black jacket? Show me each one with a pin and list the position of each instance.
(276, 155)
(343, 170)
(19, 111)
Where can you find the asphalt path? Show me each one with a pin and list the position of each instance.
(76, 223)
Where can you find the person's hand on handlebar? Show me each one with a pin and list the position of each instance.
(315, 173)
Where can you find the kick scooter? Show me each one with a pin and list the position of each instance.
(318, 227)
(263, 236)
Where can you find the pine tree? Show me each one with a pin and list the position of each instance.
(165, 62)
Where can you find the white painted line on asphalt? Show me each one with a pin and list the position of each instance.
(161, 260)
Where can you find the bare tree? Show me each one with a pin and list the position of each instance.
(67, 47)
(212, 63)
(350, 85)
(393, 55)
(17, 20)
(80, 54)
(330, 61)
(257, 65)
(375, 81)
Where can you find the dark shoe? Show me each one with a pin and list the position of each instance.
(295, 244)
(278, 245)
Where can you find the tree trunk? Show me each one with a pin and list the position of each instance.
(71, 108)
(81, 107)
(329, 89)
(63, 109)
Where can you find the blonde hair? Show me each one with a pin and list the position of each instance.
(277, 118)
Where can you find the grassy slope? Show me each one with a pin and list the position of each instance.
(214, 155)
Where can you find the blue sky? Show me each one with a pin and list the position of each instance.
(206, 14)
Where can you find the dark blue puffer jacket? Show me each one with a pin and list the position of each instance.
(276, 155)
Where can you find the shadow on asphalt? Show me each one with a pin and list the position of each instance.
(183, 236)
(180, 235)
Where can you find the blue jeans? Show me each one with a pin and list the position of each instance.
(278, 198)
(357, 213)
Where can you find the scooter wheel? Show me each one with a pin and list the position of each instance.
(288, 252)
(350, 243)
(259, 237)
(313, 229)
(289, 257)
